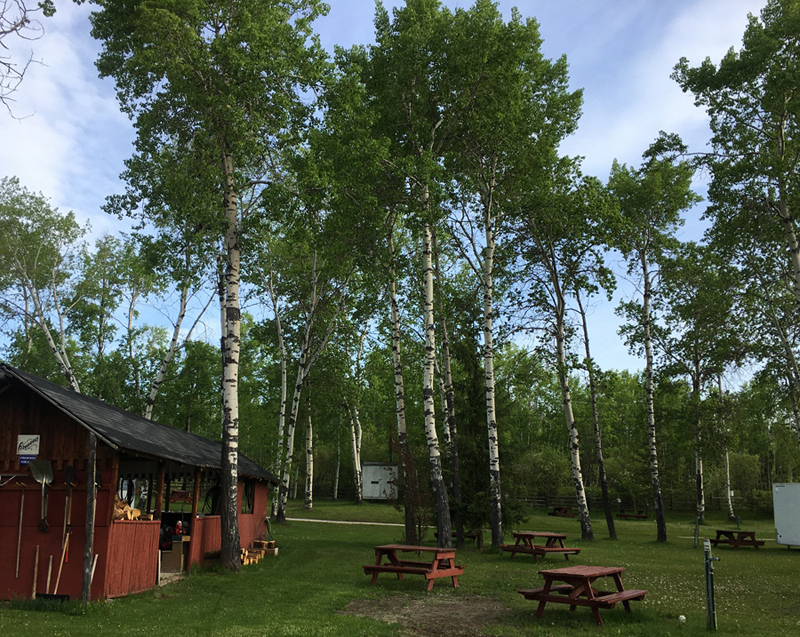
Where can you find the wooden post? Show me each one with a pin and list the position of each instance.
(91, 504)
(193, 518)
(114, 485)
(149, 492)
(159, 492)
(168, 492)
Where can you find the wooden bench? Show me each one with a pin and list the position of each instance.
(563, 512)
(630, 515)
(560, 594)
(475, 536)
(566, 551)
(180, 495)
(539, 551)
(533, 593)
(518, 548)
(736, 538)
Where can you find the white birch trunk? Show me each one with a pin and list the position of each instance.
(230, 555)
(598, 441)
(728, 497)
(587, 533)
(283, 495)
(661, 524)
(444, 525)
(309, 462)
(284, 391)
(355, 439)
(400, 406)
(700, 495)
(338, 460)
(496, 518)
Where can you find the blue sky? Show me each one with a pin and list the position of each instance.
(70, 140)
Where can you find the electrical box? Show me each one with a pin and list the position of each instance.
(379, 480)
(786, 502)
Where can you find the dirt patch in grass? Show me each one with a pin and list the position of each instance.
(433, 615)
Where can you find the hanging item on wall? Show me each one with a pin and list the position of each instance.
(27, 448)
(42, 472)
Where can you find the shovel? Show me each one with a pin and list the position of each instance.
(42, 472)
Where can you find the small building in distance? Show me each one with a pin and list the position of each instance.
(380, 480)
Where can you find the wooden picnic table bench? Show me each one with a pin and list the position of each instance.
(635, 515)
(441, 565)
(578, 589)
(476, 536)
(554, 544)
(563, 512)
(736, 538)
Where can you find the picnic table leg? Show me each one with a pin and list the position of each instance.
(540, 607)
(618, 581)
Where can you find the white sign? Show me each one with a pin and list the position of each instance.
(28, 445)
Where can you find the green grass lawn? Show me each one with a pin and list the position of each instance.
(317, 573)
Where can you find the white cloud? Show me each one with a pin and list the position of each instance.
(71, 139)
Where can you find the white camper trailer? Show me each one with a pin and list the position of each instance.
(786, 502)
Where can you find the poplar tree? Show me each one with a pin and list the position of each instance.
(651, 200)
(214, 89)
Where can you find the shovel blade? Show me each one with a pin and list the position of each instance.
(42, 471)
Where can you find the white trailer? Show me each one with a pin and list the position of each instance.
(786, 502)
(379, 480)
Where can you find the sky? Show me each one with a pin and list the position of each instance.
(68, 140)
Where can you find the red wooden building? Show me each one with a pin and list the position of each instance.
(170, 475)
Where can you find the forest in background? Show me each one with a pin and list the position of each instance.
(410, 197)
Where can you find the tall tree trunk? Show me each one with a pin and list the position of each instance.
(658, 503)
(91, 506)
(230, 553)
(355, 438)
(338, 465)
(728, 496)
(598, 442)
(444, 526)
(587, 533)
(700, 496)
(400, 406)
(309, 458)
(284, 390)
(449, 409)
(283, 495)
(495, 516)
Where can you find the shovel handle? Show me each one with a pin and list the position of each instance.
(19, 533)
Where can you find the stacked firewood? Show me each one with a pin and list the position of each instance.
(260, 549)
(124, 512)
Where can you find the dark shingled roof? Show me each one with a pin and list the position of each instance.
(124, 430)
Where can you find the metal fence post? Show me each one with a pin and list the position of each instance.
(711, 621)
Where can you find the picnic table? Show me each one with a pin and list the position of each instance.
(441, 564)
(636, 515)
(524, 544)
(476, 536)
(736, 538)
(578, 589)
(563, 512)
